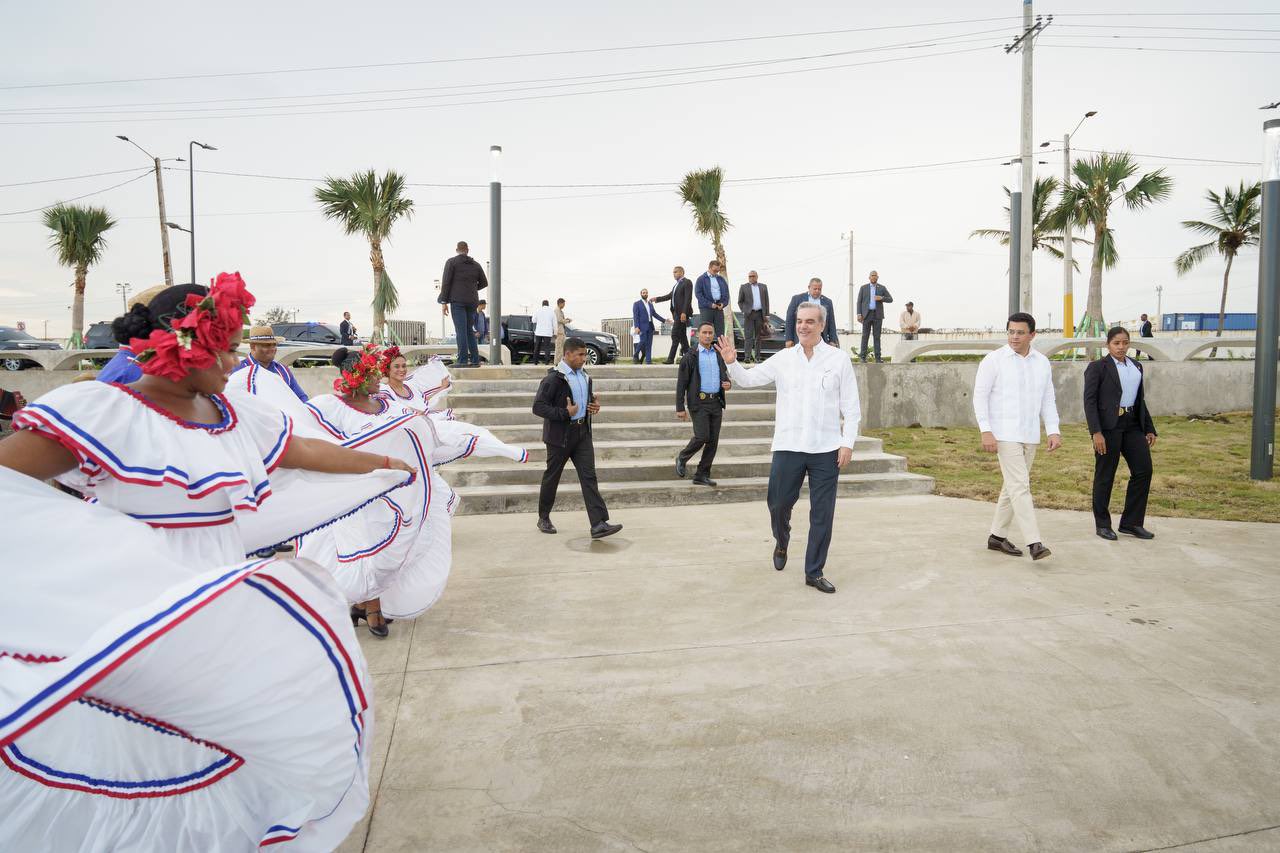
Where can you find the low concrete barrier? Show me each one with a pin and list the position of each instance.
(1161, 349)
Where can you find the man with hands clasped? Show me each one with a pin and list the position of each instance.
(700, 388)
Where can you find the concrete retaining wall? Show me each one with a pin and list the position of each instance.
(930, 394)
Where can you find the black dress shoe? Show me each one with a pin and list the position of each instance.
(1107, 533)
(779, 559)
(1137, 530)
(681, 467)
(545, 525)
(821, 584)
(1038, 551)
(700, 480)
(604, 529)
(1004, 546)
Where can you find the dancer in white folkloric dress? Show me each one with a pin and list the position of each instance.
(425, 390)
(141, 700)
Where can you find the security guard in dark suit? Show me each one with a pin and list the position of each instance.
(1116, 411)
(701, 386)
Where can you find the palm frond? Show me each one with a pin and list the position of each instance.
(78, 233)
(701, 191)
(991, 233)
(386, 299)
(1192, 257)
(364, 203)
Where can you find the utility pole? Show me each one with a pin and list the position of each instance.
(1263, 444)
(123, 289)
(495, 251)
(1024, 43)
(853, 294)
(1159, 300)
(164, 226)
(1068, 271)
(1015, 238)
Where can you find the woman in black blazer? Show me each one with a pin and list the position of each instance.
(1119, 430)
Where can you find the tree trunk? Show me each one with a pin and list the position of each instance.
(1093, 323)
(724, 271)
(379, 267)
(1222, 306)
(77, 306)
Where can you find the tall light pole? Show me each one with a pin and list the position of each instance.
(1015, 238)
(853, 296)
(122, 287)
(164, 232)
(1263, 449)
(442, 317)
(191, 188)
(1068, 271)
(1024, 44)
(495, 251)
(1159, 306)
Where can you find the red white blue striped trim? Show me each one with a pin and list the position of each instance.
(276, 453)
(324, 422)
(380, 430)
(278, 834)
(377, 547)
(467, 449)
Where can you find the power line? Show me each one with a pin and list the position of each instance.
(528, 97)
(1171, 157)
(77, 198)
(71, 178)
(1157, 49)
(567, 52)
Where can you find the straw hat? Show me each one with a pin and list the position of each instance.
(263, 335)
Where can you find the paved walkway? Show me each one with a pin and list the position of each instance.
(667, 690)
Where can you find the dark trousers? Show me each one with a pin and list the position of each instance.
(1126, 440)
(714, 316)
(541, 345)
(578, 447)
(786, 475)
(706, 416)
(464, 320)
(871, 328)
(753, 323)
(679, 339)
(644, 349)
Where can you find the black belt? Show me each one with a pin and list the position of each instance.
(1126, 410)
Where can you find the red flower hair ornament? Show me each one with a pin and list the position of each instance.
(194, 340)
(367, 363)
(389, 355)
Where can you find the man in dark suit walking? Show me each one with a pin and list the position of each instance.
(872, 297)
(642, 316)
(753, 302)
(814, 295)
(565, 402)
(460, 287)
(712, 292)
(681, 299)
(700, 387)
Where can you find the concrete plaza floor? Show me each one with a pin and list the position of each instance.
(667, 690)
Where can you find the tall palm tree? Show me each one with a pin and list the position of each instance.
(368, 205)
(701, 191)
(1042, 236)
(1235, 222)
(78, 238)
(1100, 181)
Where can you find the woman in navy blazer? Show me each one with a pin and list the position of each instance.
(1118, 430)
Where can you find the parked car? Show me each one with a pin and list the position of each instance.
(768, 346)
(517, 336)
(15, 339)
(98, 336)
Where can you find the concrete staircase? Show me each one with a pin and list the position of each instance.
(636, 439)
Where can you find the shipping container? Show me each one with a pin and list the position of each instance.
(1208, 322)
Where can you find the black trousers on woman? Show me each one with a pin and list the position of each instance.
(1126, 440)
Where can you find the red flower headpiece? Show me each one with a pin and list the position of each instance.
(194, 340)
(367, 364)
(389, 355)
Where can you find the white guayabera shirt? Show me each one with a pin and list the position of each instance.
(1013, 393)
(817, 407)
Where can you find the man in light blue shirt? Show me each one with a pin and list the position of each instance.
(712, 292)
(704, 370)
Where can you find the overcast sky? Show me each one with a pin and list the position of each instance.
(1194, 93)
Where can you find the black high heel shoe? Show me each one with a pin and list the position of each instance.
(379, 631)
(357, 613)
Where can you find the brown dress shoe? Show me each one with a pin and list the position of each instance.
(1004, 546)
(1038, 551)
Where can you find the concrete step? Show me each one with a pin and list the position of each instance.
(757, 412)
(503, 472)
(481, 500)
(528, 371)
(660, 449)
(465, 400)
(466, 385)
(529, 435)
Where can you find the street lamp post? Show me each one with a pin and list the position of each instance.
(191, 188)
(495, 252)
(164, 232)
(442, 316)
(122, 287)
(1015, 238)
(1263, 449)
(1068, 271)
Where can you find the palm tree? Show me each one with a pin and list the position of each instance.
(1101, 181)
(1042, 236)
(78, 238)
(1236, 222)
(369, 205)
(701, 191)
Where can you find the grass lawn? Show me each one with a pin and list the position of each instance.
(1201, 469)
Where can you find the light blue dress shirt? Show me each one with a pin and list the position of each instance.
(714, 286)
(755, 297)
(1130, 381)
(577, 388)
(708, 371)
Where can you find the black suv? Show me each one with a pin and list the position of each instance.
(99, 336)
(768, 346)
(311, 334)
(517, 336)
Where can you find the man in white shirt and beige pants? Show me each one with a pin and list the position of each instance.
(1012, 394)
(815, 427)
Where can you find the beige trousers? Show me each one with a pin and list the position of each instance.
(559, 349)
(1015, 496)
